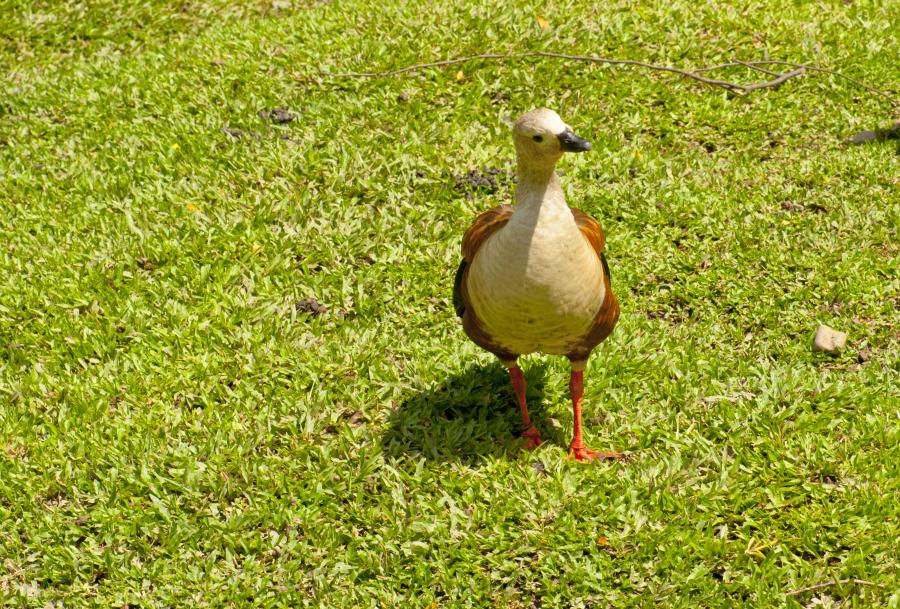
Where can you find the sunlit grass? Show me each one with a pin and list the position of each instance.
(230, 374)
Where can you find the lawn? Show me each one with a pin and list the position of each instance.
(231, 376)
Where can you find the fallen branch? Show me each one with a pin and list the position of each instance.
(629, 62)
(775, 81)
(780, 78)
(753, 66)
(772, 62)
(833, 582)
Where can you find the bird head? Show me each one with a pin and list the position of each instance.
(541, 137)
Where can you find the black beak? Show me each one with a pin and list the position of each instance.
(569, 142)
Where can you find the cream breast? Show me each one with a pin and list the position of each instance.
(537, 284)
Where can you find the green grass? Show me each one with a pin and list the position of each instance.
(177, 430)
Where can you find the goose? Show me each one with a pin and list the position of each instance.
(533, 277)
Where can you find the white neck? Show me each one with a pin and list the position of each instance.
(537, 189)
(539, 196)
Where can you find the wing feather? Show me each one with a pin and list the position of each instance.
(485, 225)
(608, 315)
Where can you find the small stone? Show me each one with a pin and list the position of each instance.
(829, 340)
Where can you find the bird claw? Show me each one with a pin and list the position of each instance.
(532, 438)
(580, 453)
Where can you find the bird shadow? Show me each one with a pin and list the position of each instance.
(468, 416)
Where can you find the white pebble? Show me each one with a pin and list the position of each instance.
(829, 340)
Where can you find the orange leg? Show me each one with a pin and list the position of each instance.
(578, 449)
(529, 431)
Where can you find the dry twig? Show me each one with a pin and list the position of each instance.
(797, 70)
(772, 62)
(833, 582)
(755, 67)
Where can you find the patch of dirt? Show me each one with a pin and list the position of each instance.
(677, 310)
(487, 180)
(239, 133)
(310, 305)
(794, 206)
(145, 264)
(354, 418)
(279, 116)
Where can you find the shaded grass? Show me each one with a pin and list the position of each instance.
(175, 428)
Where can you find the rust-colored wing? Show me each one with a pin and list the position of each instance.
(484, 226)
(608, 314)
(591, 230)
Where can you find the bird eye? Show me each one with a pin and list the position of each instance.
(538, 138)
